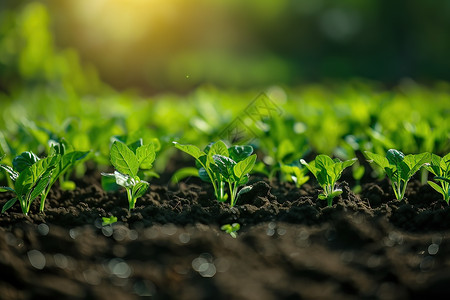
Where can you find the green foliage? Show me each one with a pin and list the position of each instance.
(295, 174)
(327, 171)
(128, 160)
(440, 166)
(108, 220)
(31, 178)
(231, 229)
(219, 165)
(399, 168)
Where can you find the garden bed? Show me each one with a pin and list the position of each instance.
(290, 246)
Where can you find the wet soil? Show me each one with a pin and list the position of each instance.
(290, 246)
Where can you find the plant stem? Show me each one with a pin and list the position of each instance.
(130, 200)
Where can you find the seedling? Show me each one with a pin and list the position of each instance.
(31, 176)
(219, 165)
(441, 168)
(68, 159)
(327, 171)
(231, 229)
(108, 221)
(127, 163)
(399, 168)
(295, 174)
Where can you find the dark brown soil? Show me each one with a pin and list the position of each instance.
(290, 246)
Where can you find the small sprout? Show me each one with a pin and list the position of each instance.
(327, 171)
(128, 160)
(399, 168)
(441, 168)
(219, 165)
(108, 221)
(31, 177)
(231, 229)
(293, 173)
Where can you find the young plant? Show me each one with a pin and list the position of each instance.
(327, 171)
(399, 168)
(441, 168)
(108, 221)
(68, 159)
(127, 160)
(219, 165)
(231, 229)
(31, 176)
(295, 174)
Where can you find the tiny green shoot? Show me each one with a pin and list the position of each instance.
(327, 171)
(127, 161)
(108, 220)
(231, 229)
(399, 168)
(440, 167)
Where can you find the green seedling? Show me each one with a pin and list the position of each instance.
(399, 168)
(219, 165)
(295, 174)
(31, 177)
(231, 229)
(108, 221)
(127, 160)
(441, 168)
(327, 172)
(68, 159)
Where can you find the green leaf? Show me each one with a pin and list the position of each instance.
(12, 174)
(109, 221)
(41, 184)
(238, 153)
(146, 155)
(244, 190)
(124, 180)
(436, 187)
(218, 148)
(225, 165)
(134, 146)
(123, 159)
(184, 173)
(9, 204)
(394, 157)
(204, 175)
(139, 189)
(378, 159)
(109, 182)
(24, 160)
(415, 162)
(245, 166)
(6, 189)
(190, 149)
(31, 175)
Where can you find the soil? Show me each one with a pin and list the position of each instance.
(290, 245)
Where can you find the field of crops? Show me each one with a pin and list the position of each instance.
(338, 190)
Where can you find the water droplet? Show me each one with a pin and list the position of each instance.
(37, 259)
(169, 229)
(119, 267)
(433, 249)
(107, 231)
(184, 238)
(61, 260)
(43, 229)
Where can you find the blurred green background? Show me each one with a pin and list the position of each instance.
(176, 45)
